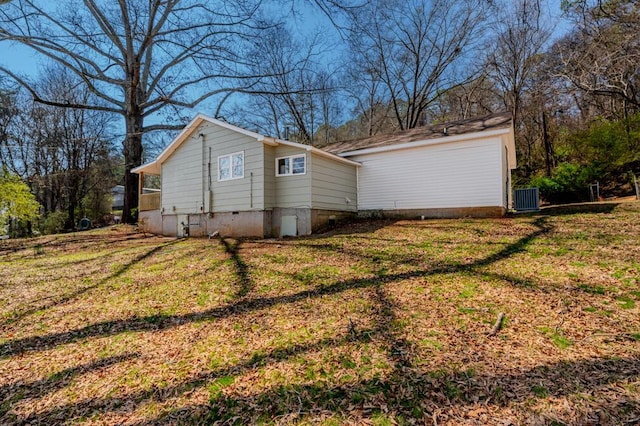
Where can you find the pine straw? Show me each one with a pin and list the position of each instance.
(374, 323)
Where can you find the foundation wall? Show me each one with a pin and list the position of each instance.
(150, 221)
(238, 224)
(325, 219)
(170, 225)
(268, 223)
(308, 220)
(228, 224)
(450, 212)
(303, 220)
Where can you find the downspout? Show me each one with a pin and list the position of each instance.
(251, 190)
(140, 189)
(357, 190)
(202, 208)
(508, 189)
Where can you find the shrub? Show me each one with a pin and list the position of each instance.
(54, 222)
(568, 183)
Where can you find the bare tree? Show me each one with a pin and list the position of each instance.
(601, 56)
(295, 99)
(139, 58)
(518, 50)
(473, 99)
(330, 107)
(368, 93)
(59, 151)
(8, 113)
(414, 48)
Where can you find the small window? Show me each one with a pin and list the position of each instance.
(231, 166)
(292, 165)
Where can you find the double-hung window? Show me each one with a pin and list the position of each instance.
(231, 166)
(291, 165)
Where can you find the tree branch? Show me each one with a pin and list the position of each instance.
(37, 98)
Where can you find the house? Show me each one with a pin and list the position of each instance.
(117, 196)
(217, 177)
(453, 169)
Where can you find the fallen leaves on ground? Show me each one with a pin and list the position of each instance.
(379, 322)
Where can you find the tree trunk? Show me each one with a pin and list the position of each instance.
(548, 150)
(73, 185)
(132, 159)
(71, 209)
(627, 124)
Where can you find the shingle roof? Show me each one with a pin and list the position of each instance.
(490, 122)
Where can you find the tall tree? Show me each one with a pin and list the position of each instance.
(601, 56)
(473, 99)
(517, 49)
(8, 112)
(139, 58)
(367, 92)
(297, 98)
(417, 50)
(523, 30)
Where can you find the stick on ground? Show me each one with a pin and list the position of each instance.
(498, 325)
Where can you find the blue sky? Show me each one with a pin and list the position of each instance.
(307, 22)
(18, 58)
(25, 61)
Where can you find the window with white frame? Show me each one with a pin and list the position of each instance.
(231, 166)
(291, 165)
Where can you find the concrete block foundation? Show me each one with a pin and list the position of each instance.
(449, 212)
(260, 223)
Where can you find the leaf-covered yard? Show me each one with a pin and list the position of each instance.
(374, 323)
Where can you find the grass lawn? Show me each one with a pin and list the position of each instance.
(377, 323)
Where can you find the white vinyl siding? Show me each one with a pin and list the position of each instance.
(459, 174)
(506, 177)
(334, 185)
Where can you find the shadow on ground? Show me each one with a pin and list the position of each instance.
(408, 391)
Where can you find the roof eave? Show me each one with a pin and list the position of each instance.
(155, 166)
(425, 142)
(193, 124)
(318, 151)
(152, 168)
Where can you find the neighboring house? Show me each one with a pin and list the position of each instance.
(117, 196)
(217, 177)
(453, 169)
